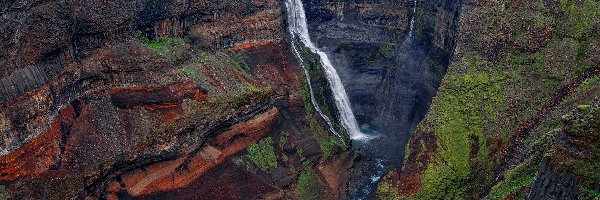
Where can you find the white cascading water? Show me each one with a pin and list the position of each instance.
(312, 94)
(412, 19)
(299, 28)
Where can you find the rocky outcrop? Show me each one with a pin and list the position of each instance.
(170, 175)
(553, 184)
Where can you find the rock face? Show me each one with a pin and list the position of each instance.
(155, 99)
(500, 104)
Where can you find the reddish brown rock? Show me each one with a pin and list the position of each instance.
(37, 156)
(156, 97)
(169, 175)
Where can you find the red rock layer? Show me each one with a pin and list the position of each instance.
(274, 65)
(37, 156)
(336, 181)
(156, 96)
(170, 175)
(408, 180)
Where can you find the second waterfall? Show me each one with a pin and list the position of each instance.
(299, 28)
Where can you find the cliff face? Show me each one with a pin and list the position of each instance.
(518, 67)
(157, 99)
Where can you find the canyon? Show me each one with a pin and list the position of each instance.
(291, 99)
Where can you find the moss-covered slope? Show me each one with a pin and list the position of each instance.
(517, 68)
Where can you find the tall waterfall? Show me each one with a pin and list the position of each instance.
(412, 19)
(299, 28)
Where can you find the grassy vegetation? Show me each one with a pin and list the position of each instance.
(387, 49)
(190, 72)
(262, 154)
(580, 16)
(171, 47)
(516, 178)
(496, 83)
(386, 191)
(283, 139)
(308, 186)
(328, 142)
(583, 127)
(466, 102)
(230, 59)
(587, 193)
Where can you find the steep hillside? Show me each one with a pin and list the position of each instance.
(494, 129)
(159, 99)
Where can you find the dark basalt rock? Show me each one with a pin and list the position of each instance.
(552, 183)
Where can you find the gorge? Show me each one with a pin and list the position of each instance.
(291, 99)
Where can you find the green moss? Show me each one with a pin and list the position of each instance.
(588, 193)
(240, 162)
(308, 107)
(328, 143)
(308, 186)
(229, 59)
(262, 154)
(466, 103)
(589, 84)
(283, 139)
(171, 47)
(386, 191)
(583, 124)
(190, 72)
(514, 179)
(284, 158)
(235, 61)
(247, 94)
(580, 16)
(387, 49)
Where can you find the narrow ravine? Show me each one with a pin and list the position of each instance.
(380, 167)
(379, 164)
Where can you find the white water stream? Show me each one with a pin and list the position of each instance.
(299, 28)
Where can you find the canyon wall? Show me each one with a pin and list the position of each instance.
(496, 128)
(158, 99)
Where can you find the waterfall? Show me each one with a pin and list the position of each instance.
(412, 19)
(312, 94)
(299, 28)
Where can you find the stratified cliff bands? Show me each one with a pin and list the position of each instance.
(199, 99)
(516, 114)
(158, 100)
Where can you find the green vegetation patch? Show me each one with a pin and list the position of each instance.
(514, 179)
(283, 138)
(386, 191)
(466, 105)
(588, 193)
(262, 154)
(580, 15)
(190, 72)
(308, 186)
(329, 143)
(171, 47)
(583, 126)
(231, 59)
